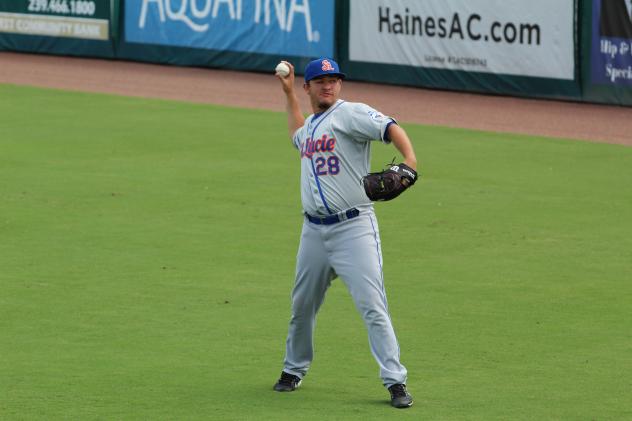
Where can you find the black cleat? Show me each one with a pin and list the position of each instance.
(400, 398)
(287, 383)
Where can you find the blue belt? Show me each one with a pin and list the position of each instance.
(333, 219)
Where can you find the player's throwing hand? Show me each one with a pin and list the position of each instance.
(286, 81)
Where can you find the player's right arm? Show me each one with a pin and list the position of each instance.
(295, 118)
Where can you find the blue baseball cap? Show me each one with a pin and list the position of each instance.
(322, 67)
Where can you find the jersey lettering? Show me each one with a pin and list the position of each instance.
(324, 144)
(329, 166)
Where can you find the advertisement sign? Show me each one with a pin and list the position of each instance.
(282, 27)
(611, 55)
(513, 37)
(82, 19)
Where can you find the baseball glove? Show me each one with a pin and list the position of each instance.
(390, 183)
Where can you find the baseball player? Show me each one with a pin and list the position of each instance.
(340, 236)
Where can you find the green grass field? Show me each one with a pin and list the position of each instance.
(147, 256)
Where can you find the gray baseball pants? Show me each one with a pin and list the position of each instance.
(349, 249)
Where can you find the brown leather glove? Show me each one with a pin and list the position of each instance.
(390, 183)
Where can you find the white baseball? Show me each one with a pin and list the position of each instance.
(282, 69)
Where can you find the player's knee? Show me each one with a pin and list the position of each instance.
(303, 310)
(374, 317)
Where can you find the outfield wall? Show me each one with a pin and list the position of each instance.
(567, 49)
(513, 46)
(606, 51)
(71, 27)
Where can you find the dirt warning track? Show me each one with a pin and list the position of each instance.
(597, 123)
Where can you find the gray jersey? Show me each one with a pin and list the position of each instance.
(335, 154)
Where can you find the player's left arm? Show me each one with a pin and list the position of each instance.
(402, 143)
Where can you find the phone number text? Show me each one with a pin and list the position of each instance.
(63, 7)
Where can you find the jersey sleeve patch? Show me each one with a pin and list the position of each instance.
(364, 123)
